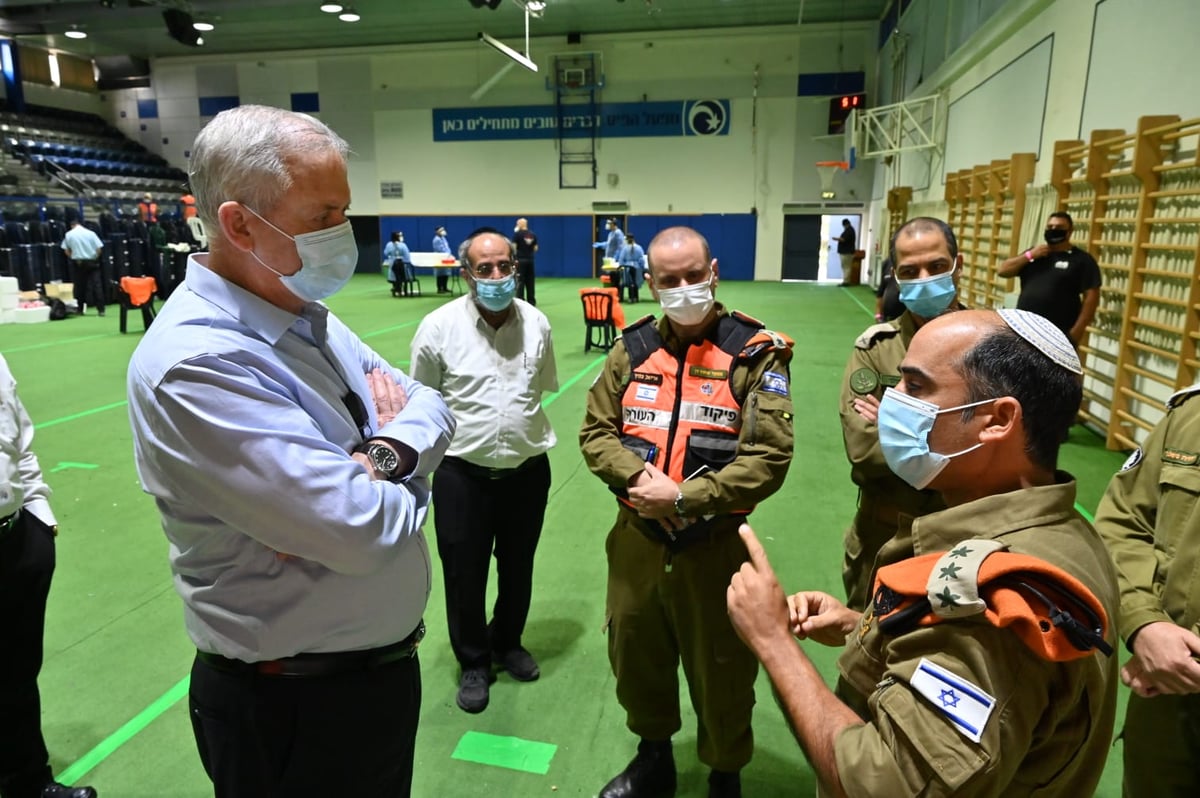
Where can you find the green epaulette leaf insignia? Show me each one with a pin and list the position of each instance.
(947, 598)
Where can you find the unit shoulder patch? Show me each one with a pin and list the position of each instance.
(1134, 459)
(875, 333)
(864, 381)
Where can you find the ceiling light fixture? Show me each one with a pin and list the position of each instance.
(533, 8)
(75, 33)
(349, 15)
(332, 8)
(202, 26)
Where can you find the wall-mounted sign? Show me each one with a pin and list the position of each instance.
(608, 120)
(391, 190)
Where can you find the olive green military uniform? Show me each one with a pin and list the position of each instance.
(1049, 730)
(665, 607)
(1150, 519)
(882, 496)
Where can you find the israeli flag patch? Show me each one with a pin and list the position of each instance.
(964, 704)
(647, 393)
(774, 382)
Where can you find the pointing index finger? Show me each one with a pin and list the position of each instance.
(758, 557)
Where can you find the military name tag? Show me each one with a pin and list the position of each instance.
(1180, 457)
(864, 381)
(708, 374)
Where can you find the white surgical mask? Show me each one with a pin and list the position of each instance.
(327, 260)
(687, 305)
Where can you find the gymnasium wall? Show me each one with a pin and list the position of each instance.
(382, 99)
(1040, 71)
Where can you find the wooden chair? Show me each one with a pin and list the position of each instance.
(137, 292)
(601, 329)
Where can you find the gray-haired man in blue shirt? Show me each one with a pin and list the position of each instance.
(290, 465)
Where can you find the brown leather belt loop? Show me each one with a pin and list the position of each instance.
(324, 664)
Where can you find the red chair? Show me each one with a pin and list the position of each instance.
(600, 327)
(137, 292)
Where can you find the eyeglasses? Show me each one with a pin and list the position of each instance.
(485, 270)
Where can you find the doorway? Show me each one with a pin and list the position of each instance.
(831, 228)
(801, 247)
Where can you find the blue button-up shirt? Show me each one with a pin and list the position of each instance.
(280, 542)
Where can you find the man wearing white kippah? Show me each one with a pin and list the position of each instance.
(984, 667)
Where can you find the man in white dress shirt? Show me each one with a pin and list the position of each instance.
(491, 356)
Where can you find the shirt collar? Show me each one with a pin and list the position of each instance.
(996, 516)
(250, 310)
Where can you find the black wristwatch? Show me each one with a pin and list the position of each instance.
(385, 462)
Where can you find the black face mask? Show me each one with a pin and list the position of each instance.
(1055, 235)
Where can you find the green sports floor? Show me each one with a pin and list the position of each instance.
(114, 682)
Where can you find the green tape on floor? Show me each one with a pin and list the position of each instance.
(505, 752)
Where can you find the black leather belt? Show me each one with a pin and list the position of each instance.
(324, 664)
(483, 472)
(9, 522)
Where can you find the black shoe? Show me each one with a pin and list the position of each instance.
(473, 689)
(724, 784)
(651, 774)
(56, 790)
(519, 663)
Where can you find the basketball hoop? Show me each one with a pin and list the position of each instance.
(827, 170)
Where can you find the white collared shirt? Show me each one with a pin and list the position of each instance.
(492, 379)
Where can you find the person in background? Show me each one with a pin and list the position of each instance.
(148, 209)
(27, 531)
(985, 666)
(845, 251)
(615, 241)
(440, 244)
(927, 260)
(83, 249)
(492, 359)
(690, 424)
(1150, 519)
(527, 246)
(189, 205)
(887, 296)
(1058, 280)
(395, 251)
(633, 266)
(290, 466)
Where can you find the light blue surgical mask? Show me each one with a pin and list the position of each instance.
(496, 295)
(327, 260)
(928, 296)
(904, 426)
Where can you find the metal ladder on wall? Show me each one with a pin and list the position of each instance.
(577, 85)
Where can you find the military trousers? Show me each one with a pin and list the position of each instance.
(668, 608)
(1162, 746)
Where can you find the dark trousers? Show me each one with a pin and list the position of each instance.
(301, 737)
(630, 279)
(443, 282)
(1162, 742)
(89, 284)
(474, 517)
(526, 277)
(26, 566)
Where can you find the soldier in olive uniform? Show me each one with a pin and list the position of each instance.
(1150, 519)
(690, 424)
(955, 701)
(927, 267)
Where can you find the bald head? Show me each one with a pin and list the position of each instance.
(675, 240)
(522, 224)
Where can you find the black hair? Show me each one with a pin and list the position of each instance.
(921, 224)
(1003, 363)
(1064, 215)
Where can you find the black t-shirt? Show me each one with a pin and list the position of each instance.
(525, 241)
(1052, 286)
(846, 241)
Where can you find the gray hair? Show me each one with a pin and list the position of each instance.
(242, 155)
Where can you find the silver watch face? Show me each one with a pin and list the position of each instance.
(383, 459)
